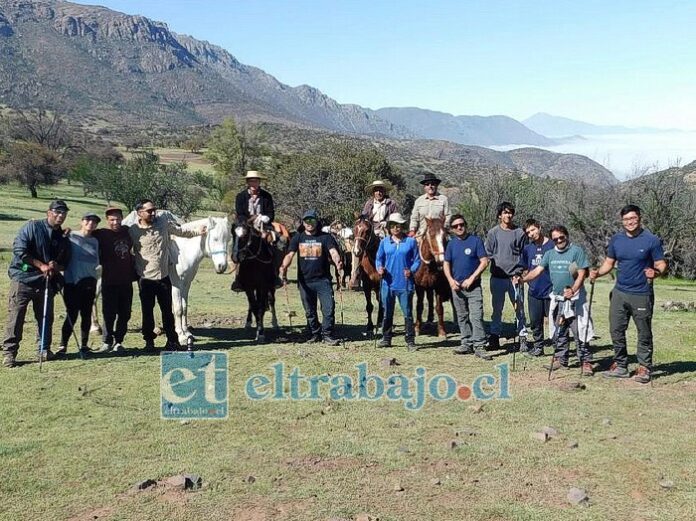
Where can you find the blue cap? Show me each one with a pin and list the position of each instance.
(310, 214)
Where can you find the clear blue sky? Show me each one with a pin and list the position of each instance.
(619, 62)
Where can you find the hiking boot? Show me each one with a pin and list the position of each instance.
(172, 346)
(494, 342)
(586, 369)
(556, 365)
(118, 348)
(642, 375)
(411, 346)
(314, 339)
(9, 360)
(385, 342)
(464, 350)
(62, 351)
(149, 346)
(105, 348)
(330, 341)
(480, 353)
(534, 352)
(85, 352)
(616, 371)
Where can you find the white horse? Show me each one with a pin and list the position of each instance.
(185, 255)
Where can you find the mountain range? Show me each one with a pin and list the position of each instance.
(557, 126)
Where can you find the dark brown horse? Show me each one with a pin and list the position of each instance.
(365, 247)
(430, 278)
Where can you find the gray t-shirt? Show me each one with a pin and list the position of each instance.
(84, 258)
(504, 248)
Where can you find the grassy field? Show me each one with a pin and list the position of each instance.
(77, 436)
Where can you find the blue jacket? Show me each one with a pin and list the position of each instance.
(37, 240)
(395, 257)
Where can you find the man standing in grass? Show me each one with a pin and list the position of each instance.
(431, 204)
(397, 262)
(465, 261)
(538, 298)
(81, 283)
(640, 260)
(568, 267)
(40, 251)
(504, 245)
(151, 237)
(118, 274)
(315, 248)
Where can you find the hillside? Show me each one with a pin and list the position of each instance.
(557, 126)
(466, 130)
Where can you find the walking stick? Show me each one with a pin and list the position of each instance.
(340, 299)
(518, 303)
(287, 300)
(589, 317)
(42, 349)
(556, 334)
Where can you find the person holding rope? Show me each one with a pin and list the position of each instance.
(40, 251)
(431, 204)
(504, 245)
(568, 267)
(253, 201)
(80, 284)
(397, 262)
(465, 261)
(315, 249)
(640, 259)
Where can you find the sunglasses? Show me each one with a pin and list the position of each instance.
(458, 225)
(59, 212)
(559, 239)
(310, 220)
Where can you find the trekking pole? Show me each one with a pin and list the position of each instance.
(42, 347)
(340, 299)
(72, 326)
(589, 318)
(287, 300)
(518, 303)
(556, 334)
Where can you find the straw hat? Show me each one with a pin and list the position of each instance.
(378, 184)
(253, 174)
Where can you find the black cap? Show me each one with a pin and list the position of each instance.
(59, 205)
(91, 216)
(310, 214)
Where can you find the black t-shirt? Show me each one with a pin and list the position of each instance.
(313, 258)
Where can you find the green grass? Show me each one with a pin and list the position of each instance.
(78, 435)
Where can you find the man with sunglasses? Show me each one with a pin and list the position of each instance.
(465, 261)
(151, 237)
(640, 259)
(568, 267)
(41, 250)
(315, 250)
(431, 204)
(504, 245)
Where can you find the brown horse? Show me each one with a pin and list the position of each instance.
(430, 278)
(365, 247)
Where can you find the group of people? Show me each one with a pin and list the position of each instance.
(47, 260)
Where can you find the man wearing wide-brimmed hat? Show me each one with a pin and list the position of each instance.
(379, 206)
(397, 262)
(250, 202)
(431, 204)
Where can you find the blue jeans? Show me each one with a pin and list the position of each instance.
(310, 292)
(500, 288)
(405, 298)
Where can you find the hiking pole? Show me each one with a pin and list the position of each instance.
(42, 348)
(518, 303)
(340, 300)
(589, 317)
(557, 333)
(287, 300)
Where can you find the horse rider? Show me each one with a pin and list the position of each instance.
(431, 204)
(253, 201)
(377, 210)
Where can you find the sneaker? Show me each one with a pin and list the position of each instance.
(237, 287)
(616, 371)
(642, 375)
(480, 353)
(118, 348)
(62, 351)
(314, 339)
(85, 352)
(586, 369)
(464, 350)
(534, 352)
(330, 341)
(9, 360)
(385, 342)
(172, 346)
(411, 346)
(105, 348)
(556, 365)
(494, 342)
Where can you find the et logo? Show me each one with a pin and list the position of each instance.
(194, 386)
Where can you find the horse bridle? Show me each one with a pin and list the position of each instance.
(433, 251)
(367, 241)
(258, 251)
